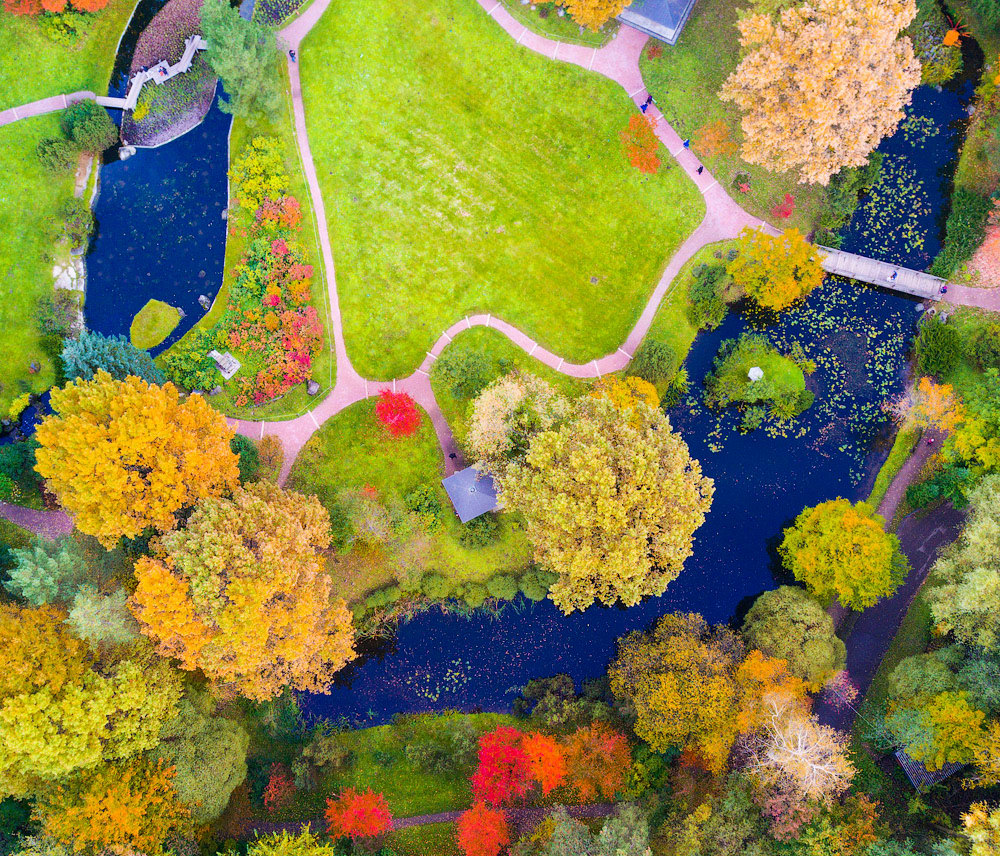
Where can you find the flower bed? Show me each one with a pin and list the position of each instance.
(167, 110)
(269, 323)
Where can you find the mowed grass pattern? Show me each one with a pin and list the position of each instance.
(463, 173)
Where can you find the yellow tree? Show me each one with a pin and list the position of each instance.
(930, 405)
(981, 826)
(842, 550)
(821, 83)
(594, 14)
(123, 455)
(775, 270)
(242, 593)
(611, 502)
(129, 808)
(692, 685)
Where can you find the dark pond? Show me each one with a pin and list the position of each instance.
(858, 337)
(160, 232)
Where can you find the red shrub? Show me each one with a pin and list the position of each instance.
(504, 772)
(482, 831)
(354, 815)
(280, 789)
(641, 143)
(784, 209)
(398, 412)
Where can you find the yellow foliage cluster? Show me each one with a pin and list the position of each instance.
(594, 14)
(775, 270)
(124, 455)
(822, 82)
(242, 593)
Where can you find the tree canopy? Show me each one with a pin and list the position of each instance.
(611, 502)
(242, 593)
(123, 455)
(775, 270)
(821, 83)
(83, 356)
(789, 624)
(842, 550)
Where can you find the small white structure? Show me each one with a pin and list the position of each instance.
(756, 373)
(226, 363)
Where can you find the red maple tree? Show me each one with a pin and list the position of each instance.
(357, 816)
(641, 144)
(279, 790)
(504, 773)
(784, 209)
(398, 412)
(547, 760)
(598, 759)
(482, 831)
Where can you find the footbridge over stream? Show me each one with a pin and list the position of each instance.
(883, 274)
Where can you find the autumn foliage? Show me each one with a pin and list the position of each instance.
(598, 760)
(242, 593)
(641, 143)
(482, 831)
(357, 815)
(547, 760)
(123, 456)
(122, 808)
(398, 412)
(714, 139)
(36, 7)
(775, 270)
(280, 789)
(821, 83)
(504, 772)
(594, 14)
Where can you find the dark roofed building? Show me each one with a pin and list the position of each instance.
(662, 19)
(920, 777)
(471, 492)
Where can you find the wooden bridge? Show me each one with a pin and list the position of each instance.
(159, 73)
(882, 274)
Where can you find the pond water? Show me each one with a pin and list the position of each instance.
(858, 337)
(160, 228)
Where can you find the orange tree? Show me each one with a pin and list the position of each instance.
(775, 270)
(598, 761)
(842, 550)
(358, 816)
(122, 808)
(594, 14)
(482, 831)
(123, 456)
(242, 593)
(641, 143)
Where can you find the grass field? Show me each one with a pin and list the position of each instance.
(296, 401)
(29, 204)
(462, 173)
(33, 66)
(685, 82)
(153, 323)
(353, 450)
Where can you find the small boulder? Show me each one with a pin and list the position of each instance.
(215, 390)
(312, 387)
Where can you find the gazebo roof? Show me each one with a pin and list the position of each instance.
(663, 19)
(920, 777)
(471, 492)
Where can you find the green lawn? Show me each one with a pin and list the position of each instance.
(462, 173)
(899, 454)
(685, 82)
(353, 450)
(432, 839)
(297, 400)
(379, 762)
(153, 323)
(33, 66)
(27, 253)
(564, 28)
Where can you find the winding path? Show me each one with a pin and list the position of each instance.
(618, 61)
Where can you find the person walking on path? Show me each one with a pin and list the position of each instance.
(687, 144)
(701, 169)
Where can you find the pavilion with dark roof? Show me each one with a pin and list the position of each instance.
(920, 777)
(662, 19)
(471, 492)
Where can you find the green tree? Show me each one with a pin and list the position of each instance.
(466, 371)
(208, 754)
(89, 126)
(943, 730)
(304, 843)
(611, 501)
(47, 571)
(842, 550)
(655, 361)
(245, 55)
(789, 624)
(775, 270)
(965, 599)
(102, 620)
(89, 352)
(938, 347)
